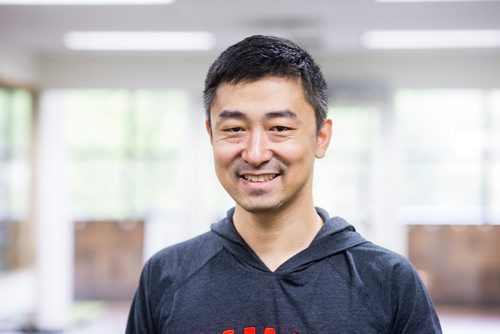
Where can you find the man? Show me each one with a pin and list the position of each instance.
(275, 264)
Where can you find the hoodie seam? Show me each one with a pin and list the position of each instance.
(176, 287)
(361, 294)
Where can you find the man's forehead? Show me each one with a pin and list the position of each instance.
(281, 92)
(262, 100)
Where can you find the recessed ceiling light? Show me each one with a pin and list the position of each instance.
(85, 2)
(139, 40)
(430, 39)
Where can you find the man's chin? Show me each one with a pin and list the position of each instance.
(260, 208)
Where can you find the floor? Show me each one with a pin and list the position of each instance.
(469, 321)
(110, 318)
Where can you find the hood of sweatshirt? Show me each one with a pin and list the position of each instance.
(336, 235)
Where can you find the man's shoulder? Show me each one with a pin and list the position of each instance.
(393, 289)
(371, 252)
(207, 239)
(177, 262)
(382, 275)
(376, 261)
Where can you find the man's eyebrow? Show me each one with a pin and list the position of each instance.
(225, 114)
(235, 114)
(281, 114)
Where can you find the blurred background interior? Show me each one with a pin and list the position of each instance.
(104, 159)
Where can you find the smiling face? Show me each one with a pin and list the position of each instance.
(265, 141)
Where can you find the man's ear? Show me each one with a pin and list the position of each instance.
(323, 140)
(209, 130)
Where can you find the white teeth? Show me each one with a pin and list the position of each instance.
(259, 178)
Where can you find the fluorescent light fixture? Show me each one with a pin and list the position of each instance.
(433, 0)
(139, 40)
(85, 2)
(430, 39)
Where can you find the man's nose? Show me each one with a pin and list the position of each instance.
(257, 150)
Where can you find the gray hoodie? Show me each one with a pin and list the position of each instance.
(216, 284)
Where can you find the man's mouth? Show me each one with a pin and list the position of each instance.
(259, 178)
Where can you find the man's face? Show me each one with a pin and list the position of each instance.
(265, 141)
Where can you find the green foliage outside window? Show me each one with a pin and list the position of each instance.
(450, 154)
(15, 147)
(124, 149)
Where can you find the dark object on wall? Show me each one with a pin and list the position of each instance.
(108, 259)
(460, 264)
(9, 244)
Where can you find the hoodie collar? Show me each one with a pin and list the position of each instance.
(336, 235)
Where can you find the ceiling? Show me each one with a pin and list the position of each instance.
(325, 26)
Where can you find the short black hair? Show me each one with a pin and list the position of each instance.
(259, 56)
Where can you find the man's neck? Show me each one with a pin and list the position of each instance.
(277, 236)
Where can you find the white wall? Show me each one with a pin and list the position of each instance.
(123, 71)
(401, 69)
(448, 69)
(17, 67)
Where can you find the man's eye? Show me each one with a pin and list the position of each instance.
(234, 130)
(280, 128)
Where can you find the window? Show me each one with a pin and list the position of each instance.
(15, 149)
(15, 146)
(492, 179)
(449, 140)
(342, 181)
(124, 151)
